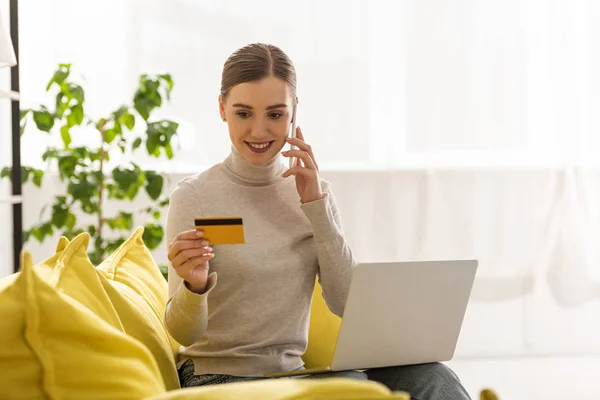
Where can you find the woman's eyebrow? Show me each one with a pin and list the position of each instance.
(277, 106)
(241, 105)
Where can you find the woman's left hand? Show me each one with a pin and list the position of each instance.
(306, 171)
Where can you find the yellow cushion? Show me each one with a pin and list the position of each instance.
(132, 272)
(322, 334)
(133, 264)
(71, 272)
(288, 389)
(54, 347)
(119, 305)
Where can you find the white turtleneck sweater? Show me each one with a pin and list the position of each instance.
(254, 318)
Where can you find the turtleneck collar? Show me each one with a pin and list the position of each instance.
(242, 172)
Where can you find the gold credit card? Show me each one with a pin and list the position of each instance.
(221, 230)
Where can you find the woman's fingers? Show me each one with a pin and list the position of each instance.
(302, 145)
(303, 155)
(305, 172)
(183, 256)
(181, 245)
(189, 235)
(186, 268)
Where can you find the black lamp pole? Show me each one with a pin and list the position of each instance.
(16, 139)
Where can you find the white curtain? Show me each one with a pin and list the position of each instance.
(449, 128)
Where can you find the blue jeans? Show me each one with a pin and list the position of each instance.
(433, 381)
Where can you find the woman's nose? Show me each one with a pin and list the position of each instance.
(259, 130)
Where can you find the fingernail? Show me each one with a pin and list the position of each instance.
(204, 243)
(199, 233)
(288, 139)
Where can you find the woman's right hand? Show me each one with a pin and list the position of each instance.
(189, 255)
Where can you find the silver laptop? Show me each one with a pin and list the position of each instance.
(401, 313)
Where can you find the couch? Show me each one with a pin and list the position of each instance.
(73, 330)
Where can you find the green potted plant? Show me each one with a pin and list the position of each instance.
(89, 181)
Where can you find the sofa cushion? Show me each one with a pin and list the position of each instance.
(140, 306)
(70, 271)
(55, 347)
(288, 389)
(132, 264)
(323, 332)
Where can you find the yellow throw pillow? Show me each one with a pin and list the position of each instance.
(322, 334)
(132, 271)
(54, 347)
(133, 264)
(143, 324)
(72, 273)
(45, 274)
(119, 305)
(288, 389)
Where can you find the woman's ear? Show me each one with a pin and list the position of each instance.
(222, 108)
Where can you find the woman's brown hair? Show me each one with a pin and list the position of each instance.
(254, 62)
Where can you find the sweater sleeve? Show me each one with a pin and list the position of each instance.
(186, 313)
(336, 261)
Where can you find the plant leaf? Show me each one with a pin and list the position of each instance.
(71, 221)
(164, 270)
(44, 120)
(147, 97)
(164, 202)
(62, 104)
(60, 214)
(128, 120)
(169, 81)
(66, 136)
(77, 93)
(37, 233)
(77, 112)
(6, 172)
(85, 192)
(113, 245)
(120, 112)
(123, 221)
(110, 135)
(38, 175)
(169, 151)
(60, 75)
(153, 235)
(128, 181)
(154, 184)
(159, 134)
(101, 122)
(24, 113)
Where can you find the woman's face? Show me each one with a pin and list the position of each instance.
(258, 115)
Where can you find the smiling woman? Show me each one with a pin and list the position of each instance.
(258, 90)
(293, 235)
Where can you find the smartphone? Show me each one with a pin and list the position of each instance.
(221, 230)
(293, 133)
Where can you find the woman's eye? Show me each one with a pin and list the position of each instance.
(243, 114)
(276, 115)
